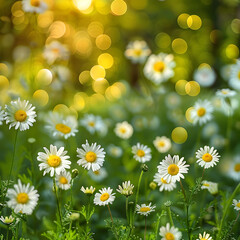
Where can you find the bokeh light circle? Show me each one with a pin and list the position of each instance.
(179, 135)
(192, 88)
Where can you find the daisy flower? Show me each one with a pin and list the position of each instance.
(162, 144)
(159, 68)
(88, 191)
(141, 153)
(137, 51)
(234, 81)
(212, 187)
(205, 236)
(225, 93)
(20, 114)
(144, 209)
(163, 184)
(53, 161)
(23, 198)
(105, 197)
(7, 220)
(91, 157)
(207, 157)
(172, 168)
(98, 175)
(63, 180)
(236, 204)
(1, 115)
(37, 6)
(55, 51)
(126, 189)
(205, 76)
(170, 233)
(201, 112)
(92, 123)
(123, 130)
(61, 126)
(114, 151)
(234, 171)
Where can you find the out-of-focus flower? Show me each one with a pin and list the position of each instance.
(225, 93)
(202, 112)
(126, 189)
(218, 141)
(61, 126)
(53, 161)
(55, 51)
(91, 157)
(207, 157)
(145, 209)
(114, 151)
(20, 114)
(205, 76)
(234, 170)
(88, 191)
(163, 184)
(212, 187)
(162, 144)
(172, 168)
(123, 130)
(92, 123)
(98, 175)
(1, 115)
(205, 236)
(234, 81)
(172, 100)
(139, 123)
(137, 51)
(141, 153)
(159, 68)
(7, 220)
(236, 204)
(23, 198)
(37, 6)
(210, 129)
(170, 233)
(105, 197)
(63, 180)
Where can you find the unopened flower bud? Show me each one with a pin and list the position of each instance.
(153, 185)
(75, 173)
(144, 167)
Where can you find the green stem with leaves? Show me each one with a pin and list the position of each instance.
(170, 216)
(58, 204)
(145, 231)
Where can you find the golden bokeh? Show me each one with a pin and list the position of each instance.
(103, 42)
(235, 25)
(44, 77)
(232, 51)
(194, 22)
(45, 19)
(118, 7)
(179, 135)
(188, 114)
(180, 87)
(4, 83)
(182, 20)
(85, 78)
(79, 101)
(57, 29)
(61, 108)
(82, 5)
(100, 85)
(192, 88)
(102, 6)
(95, 29)
(41, 97)
(97, 71)
(82, 44)
(105, 60)
(4, 70)
(163, 40)
(179, 45)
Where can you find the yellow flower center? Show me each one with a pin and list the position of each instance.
(173, 169)
(161, 143)
(224, 92)
(207, 157)
(35, 3)
(237, 167)
(201, 112)
(239, 75)
(54, 161)
(169, 236)
(159, 66)
(122, 130)
(20, 115)
(89, 191)
(96, 172)
(90, 156)
(140, 153)
(91, 124)
(203, 239)
(63, 128)
(137, 52)
(238, 204)
(145, 209)
(104, 197)
(22, 198)
(63, 180)
(163, 180)
(206, 184)
(55, 51)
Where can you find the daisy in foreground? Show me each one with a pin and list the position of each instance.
(205, 236)
(163, 184)
(172, 168)
(20, 114)
(88, 191)
(170, 233)
(37, 6)
(104, 197)
(144, 209)
(236, 204)
(91, 157)
(141, 153)
(201, 112)
(53, 161)
(23, 198)
(63, 180)
(162, 144)
(207, 157)
(123, 130)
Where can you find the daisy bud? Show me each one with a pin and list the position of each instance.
(168, 204)
(75, 173)
(74, 216)
(144, 167)
(153, 185)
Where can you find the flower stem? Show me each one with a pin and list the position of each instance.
(145, 231)
(170, 216)
(127, 210)
(7, 232)
(58, 205)
(226, 210)
(110, 213)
